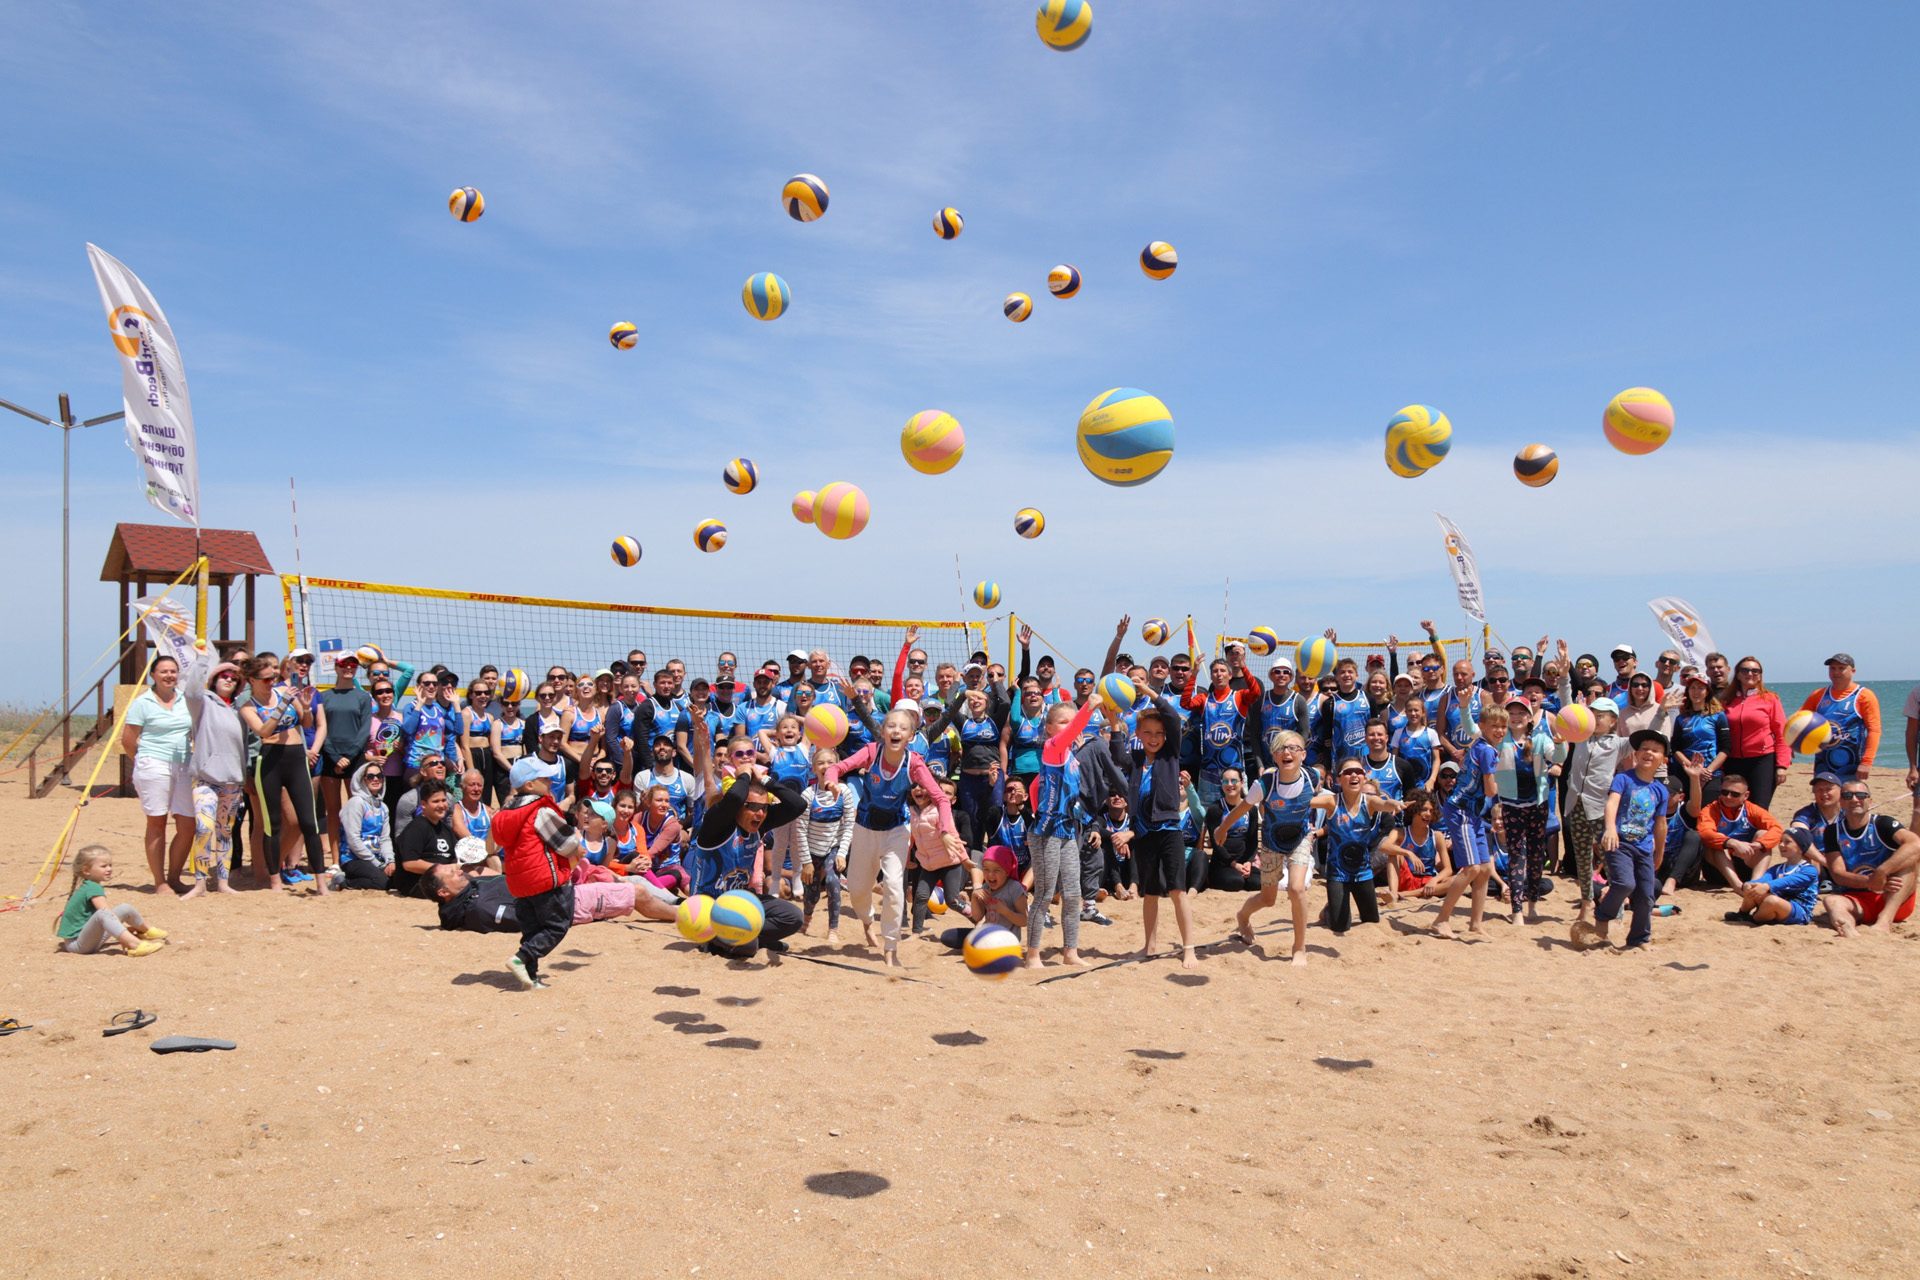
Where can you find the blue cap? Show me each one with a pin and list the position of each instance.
(524, 770)
(1827, 775)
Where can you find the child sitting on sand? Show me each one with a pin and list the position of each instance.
(1000, 900)
(1784, 893)
(1417, 851)
(89, 924)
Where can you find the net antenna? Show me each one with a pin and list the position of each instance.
(306, 621)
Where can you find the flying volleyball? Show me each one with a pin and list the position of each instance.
(1063, 281)
(514, 685)
(987, 595)
(991, 952)
(623, 336)
(840, 510)
(803, 506)
(1118, 693)
(1536, 465)
(1159, 260)
(947, 223)
(626, 552)
(1263, 641)
(1125, 437)
(694, 918)
(1064, 24)
(1314, 658)
(1418, 438)
(1155, 631)
(1807, 732)
(1638, 420)
(765, 296)
(932, 442)
(737, 917)
(710, 535)
(1017, 307)
(740, 475)
(1029, 523)
(804, 196)
(467, 204)
(825, 725)
(1572, 723)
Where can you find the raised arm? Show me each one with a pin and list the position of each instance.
(1113, 650)
(1060, 745)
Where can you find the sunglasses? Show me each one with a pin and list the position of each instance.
(754, 806)
(426, 684)
(1083, 679)
(546, 697)
(1353, 773)
(1856, 795)
(1294, 749)
(383, 693)
(743, 755)
(1748, 671)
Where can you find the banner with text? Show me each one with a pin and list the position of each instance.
(1466, 572)
(1682, 624)
(159, 415)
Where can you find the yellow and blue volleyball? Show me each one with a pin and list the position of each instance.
(1262, 641)
(1419, 436)
(986, 594)
(710, 535)
(467, 204)
(694, 918)
(1155, 631)
(1118, 693)
(1536, 465)
(805, 197)
(991, 952)
(947, 223)
(1017, 307)
(1159, 260)
(623, 336)
(1028, 522)
(1807, 732)
(740, 475)
(1572, 723)
(1063, 281)
(803, 506)
(1638, 420)
(1064, 24)
(1314, 658)
(840, 510)
(737, 917)
(1125, 437)
(1401, 468)
(937, 901)
(766, 296)
(514, 685)
(370, 654)
(825, 725)
(626, 552)
(932, 442)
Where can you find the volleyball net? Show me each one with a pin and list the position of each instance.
(466, 630)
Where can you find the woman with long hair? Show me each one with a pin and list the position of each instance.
(276, 715)
(1700, 730)
(219, 766)
(1757, 732)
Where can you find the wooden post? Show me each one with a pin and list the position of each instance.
(226, 591)
(126, 620)
(139, 636)
(250, 648)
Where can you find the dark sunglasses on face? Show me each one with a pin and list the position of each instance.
(1083, 679)
(1856, 795)
(1353, 773)
(383, 693)
(754, 806)
(1749, 671)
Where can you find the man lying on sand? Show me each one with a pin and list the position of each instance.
(485, 905)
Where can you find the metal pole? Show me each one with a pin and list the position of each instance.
(66, 577)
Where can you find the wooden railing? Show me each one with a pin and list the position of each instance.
(72, 751)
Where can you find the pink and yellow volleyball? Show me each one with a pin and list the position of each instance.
(840, 510)
(803, 506)
(932, 442)
(1638, 420)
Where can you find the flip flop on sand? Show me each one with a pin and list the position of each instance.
(10, 1025)
(130, 1020)
(188, 1044)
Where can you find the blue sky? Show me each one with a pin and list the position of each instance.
(1508, 211)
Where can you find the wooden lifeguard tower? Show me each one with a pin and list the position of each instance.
(140, 558)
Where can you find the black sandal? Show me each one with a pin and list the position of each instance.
(10, 1025)
(129, 1020)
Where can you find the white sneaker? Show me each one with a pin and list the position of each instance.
(518, 968)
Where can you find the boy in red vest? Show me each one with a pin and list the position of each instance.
(536, 844)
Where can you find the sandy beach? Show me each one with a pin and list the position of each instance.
(1733, 1101)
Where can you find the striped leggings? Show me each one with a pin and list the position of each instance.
(1056, 869)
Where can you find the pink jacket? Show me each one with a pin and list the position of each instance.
(921, 775)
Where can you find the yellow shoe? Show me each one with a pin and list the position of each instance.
(155, 935)
(145, 948)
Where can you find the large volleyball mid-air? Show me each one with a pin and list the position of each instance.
(1125, 437)
(1418, 438)
(1064, 24)
(1155, 631)
(840, 510)
(740, 475)
(1314, 657)
(932, 442)
(987, 595)
(1262, 641)
(1159, 260)
(804, 196)
(803, 506)
(1638, 420)
(765, 296)
(710, 535)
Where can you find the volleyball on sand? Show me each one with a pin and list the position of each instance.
(991, 951)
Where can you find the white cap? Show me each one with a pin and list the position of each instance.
(1280, 662)
(1622, 648)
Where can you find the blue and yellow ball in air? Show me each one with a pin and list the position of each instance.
(626, 552)
(1064, 24)
(765, 296)
(1125, 437)
(947, 223)
(987, 595)
(804, 196)
(1159, 260)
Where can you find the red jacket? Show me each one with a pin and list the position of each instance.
(1759, 727)
(532, 864)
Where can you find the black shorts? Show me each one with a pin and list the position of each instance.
(1160, 861)
(330, 764)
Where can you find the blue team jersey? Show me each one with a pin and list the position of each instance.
(1285, 820)
(645, 835)
(1431, 699)
(1423, 856)
(1222, 730)
(1275, 716)
(883, 795)
(825, 806)
(757, 717)
(1469, 795)
(1799, 884)
(1643, 806)
(790, 764)
(1351, 836)
(1865, 850)
(583, 725)
(1462, 729)
(1700, 733)
(1012, 832)
(1386, 776)
(679, 791)
(727, 865)
(1417, 748)
(1841, 755)
(1816, 825)
(1056, 799)
(1027, 735)
(1350, 713)
(1738, 827)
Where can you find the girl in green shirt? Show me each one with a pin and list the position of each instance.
(89, 924)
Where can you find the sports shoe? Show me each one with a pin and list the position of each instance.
(154, 935)
(145, 949)
(1091, 915)
(293, 875)
(518, 968)
(775, 945)
(1047, 921)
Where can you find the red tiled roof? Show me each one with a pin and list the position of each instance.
(165, 551)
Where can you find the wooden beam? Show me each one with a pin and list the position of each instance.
(226, 591)
(250, 644)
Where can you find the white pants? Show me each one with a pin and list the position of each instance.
(882, 856)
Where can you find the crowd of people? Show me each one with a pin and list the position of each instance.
(1016, 798)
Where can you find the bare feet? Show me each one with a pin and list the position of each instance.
(1073, 957)
(199, 888)
(1445, 931)
(1299, 957)
(1244, 928)
(226, 886)
(1188, 960)
(893, 960)
(164, 890)
(866, 927)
